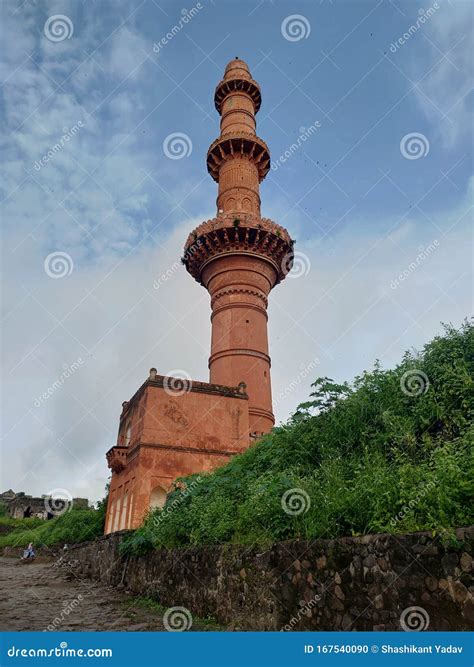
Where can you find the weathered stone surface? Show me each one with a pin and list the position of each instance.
(449, 562)
(338, 593)
(431, 583)
(40, 597)
(370, 561)
(459, 591)
(466, 562)
(321, 562)
(468, 611)
(251, 589)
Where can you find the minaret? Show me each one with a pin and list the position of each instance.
(239, 256)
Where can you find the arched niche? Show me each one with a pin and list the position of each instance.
(157, 497)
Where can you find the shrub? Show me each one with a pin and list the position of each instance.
(383, 453)
(78, 525)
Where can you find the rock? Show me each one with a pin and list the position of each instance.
(431, 583)
(382, 563)
(459, 591)
(346, 622)
(339, 593)
(444, 584)
(370, 561)
(449, 562)
(428, 551)
(468, 610)
(466, 562)
(321, 562)
(334, 603)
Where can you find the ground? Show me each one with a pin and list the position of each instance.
(39, 596)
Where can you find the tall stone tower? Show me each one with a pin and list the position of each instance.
(171, 427)
(239, 256)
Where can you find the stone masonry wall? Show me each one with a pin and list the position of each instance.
(360, 583)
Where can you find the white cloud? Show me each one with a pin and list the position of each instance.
(127, 51)
(94, 201)
(447, 89)
(345, 311)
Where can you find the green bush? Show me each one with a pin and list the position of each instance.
(390, 452)
(78, 525)
(7, 524)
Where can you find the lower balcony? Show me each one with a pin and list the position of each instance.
(117, 458)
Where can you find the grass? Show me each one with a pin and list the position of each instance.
(7, 524)
(158, 609)
(78, 525)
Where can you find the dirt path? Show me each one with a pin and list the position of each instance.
(39, 596)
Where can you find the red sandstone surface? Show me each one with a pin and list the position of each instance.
(173, 428)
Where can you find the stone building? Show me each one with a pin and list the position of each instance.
(174, 427)
(23, 506)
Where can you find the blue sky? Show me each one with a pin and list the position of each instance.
(119, 209)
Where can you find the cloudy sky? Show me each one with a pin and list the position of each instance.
(383, 184)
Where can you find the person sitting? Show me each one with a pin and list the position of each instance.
(29, 552)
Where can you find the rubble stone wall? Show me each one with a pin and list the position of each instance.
(360, 583)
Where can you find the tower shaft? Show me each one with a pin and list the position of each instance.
(239, 256)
